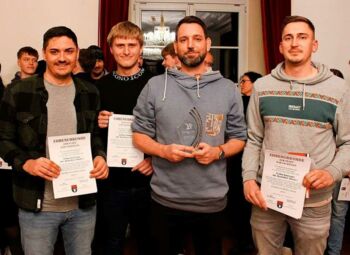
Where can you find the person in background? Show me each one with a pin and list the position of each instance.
(85, 65)
(189, 133)
(9, 227)
(239, 228)
(170, 59)
(209, 61)
(41, 67)
(27, 61)
(99, 70)
(125, 195)
(246, 84)
(33, 109)
(300, 107)
(337, 72)
(339, 211)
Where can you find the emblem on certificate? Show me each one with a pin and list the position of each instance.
(190, 131)
(74, 188)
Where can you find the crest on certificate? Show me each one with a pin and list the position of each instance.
(279, 204)
(74, 188)
(213, 123)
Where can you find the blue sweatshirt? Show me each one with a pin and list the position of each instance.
(163, 110)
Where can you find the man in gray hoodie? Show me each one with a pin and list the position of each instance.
(189, 121)
(300, 107)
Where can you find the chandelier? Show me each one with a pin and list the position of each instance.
(161, 34)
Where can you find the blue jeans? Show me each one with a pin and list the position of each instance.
(339, 210)
(39, 231)
(120, 208)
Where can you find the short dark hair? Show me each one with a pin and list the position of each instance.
(337, 72)
(293, 19)
(29, 50)
(87, 60)
(189, 20)
(253, 76)
(97, 51)
(58, 32)
(168, 50)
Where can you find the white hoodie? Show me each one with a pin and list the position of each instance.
(305, 116)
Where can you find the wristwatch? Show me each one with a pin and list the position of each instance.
(221, 153)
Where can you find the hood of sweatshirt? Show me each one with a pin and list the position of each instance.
(190, 82)
(323, 73)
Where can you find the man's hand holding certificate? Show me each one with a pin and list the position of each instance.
(72, 153)
(282, 182)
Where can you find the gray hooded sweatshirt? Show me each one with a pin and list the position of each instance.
(305, 116)
(163, 113)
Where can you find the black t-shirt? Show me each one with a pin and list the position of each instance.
(245, 103)
(119, 95)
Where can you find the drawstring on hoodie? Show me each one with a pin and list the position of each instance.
(322, 74)
(165, 84)
(197, 78)
(303, 96)
(291, 88)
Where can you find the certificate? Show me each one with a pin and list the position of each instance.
(73, 155)
(344, 191)
(4, 165)
(120, 150)
(282, 179)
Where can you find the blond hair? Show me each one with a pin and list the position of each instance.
(125, 30)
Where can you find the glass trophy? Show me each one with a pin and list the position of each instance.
(190, 131)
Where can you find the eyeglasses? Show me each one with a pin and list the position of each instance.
(243, 81)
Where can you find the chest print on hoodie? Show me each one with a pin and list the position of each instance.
(213, 123)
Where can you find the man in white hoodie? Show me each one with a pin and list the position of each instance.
(300, 107)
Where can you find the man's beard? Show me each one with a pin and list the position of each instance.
(192, 62)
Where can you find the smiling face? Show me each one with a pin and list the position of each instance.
(298, 43)
(191, 45)
(61, 55)
(126, 52)
(27, 64)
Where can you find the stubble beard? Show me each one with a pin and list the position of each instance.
(192, 62)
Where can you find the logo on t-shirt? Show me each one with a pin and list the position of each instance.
(294, 107)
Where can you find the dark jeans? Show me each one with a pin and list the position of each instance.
(171, 226)
(120, 208)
